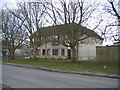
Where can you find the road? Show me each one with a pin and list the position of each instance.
(0, 75)
(0, 72)
(19, 77)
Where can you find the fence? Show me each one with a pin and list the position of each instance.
(110, 53)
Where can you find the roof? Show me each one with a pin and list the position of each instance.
(67, 29)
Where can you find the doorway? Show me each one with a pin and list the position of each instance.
(69, 53)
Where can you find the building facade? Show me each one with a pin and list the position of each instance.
(85, 51)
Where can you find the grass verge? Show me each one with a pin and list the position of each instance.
(89, 65)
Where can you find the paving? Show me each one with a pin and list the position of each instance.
(90, 73)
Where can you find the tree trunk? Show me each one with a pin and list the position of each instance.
(73, 54)
(35, 53)
(77, 52)
(12, 54)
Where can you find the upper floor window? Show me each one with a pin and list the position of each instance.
(55, 40)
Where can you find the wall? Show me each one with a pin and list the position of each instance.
(87, 51)
(109, 53)
(51, 47)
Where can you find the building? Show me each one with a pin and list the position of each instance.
(54, 49)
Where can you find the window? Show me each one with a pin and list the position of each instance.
(32, 52)
(43, 52)
(55, 52)
(62, 52)
(55, 40)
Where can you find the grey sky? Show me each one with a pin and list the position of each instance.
(11, 3)
(4, 3)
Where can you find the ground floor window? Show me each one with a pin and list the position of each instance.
(62, 52)
(43, 52)
(55, 52)
(32, 52)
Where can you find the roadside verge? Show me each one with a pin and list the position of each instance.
(90, 73)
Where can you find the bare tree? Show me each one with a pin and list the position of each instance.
(12, 31)
(111, 21)
(73, 15)
(34, 13)
(114, 10)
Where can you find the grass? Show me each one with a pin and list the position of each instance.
(0, 59)
(89, 65)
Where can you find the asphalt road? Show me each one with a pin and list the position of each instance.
(0, 75)
(19, 77)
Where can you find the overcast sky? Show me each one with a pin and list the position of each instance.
(4, 3)
(11, 3)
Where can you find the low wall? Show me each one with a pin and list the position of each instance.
(107, 53)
